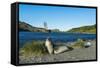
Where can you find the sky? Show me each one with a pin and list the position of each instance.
(63, 18)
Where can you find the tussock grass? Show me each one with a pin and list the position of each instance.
(78, 44)
(34, 48)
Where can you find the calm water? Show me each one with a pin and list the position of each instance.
(55, 36)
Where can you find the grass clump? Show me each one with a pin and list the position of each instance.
(34, 48)
(78, 44)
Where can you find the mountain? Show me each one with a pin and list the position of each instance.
(27, 27)
(84, 29)
(23, 26)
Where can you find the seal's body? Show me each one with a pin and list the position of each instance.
(49, 45)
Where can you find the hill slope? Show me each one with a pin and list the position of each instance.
(27, 27)
(84, 29)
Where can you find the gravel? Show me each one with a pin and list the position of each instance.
(73, 55)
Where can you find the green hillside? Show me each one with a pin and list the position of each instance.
(84, 29)
(23, 26)
(27, 27)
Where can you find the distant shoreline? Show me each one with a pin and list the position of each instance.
(61, 32)
(23, 26)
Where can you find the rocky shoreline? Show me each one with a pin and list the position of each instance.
(72, 55)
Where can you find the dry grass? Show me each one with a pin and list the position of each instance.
(34, 48)
(78, 44)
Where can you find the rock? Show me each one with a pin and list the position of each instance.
(87, 44)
